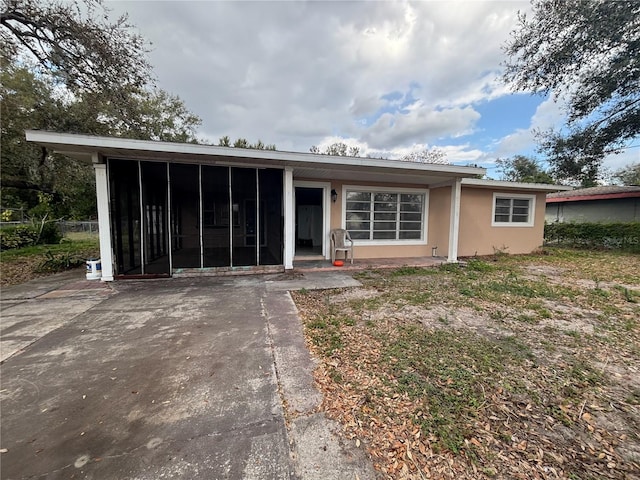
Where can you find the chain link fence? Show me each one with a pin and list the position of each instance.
(65, 226)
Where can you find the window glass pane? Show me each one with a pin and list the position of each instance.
(410, 226)
(411, 207)
(384, 226)
(503, 210)
(411, 217)
(356, 225)
(520, 218)
(358, 216)
(384, 235)
(521, 210)
(386, 197)
(411, 198)
(359, 196)
(503, 202)
(385, 207)
(359, 206)
(409, 235)
(501, 218)
(357, 235)
(519, 202)
(385, 216)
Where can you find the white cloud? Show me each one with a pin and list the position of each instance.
(293, 73)
(419, 124)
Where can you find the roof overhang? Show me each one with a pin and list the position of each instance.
(501, 185)
(90, 148)
(604, 196)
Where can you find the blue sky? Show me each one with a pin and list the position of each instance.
(387, 77)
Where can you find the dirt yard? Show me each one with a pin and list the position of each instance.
(509, 367)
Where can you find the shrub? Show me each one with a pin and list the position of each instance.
(27, 235)
(59, 262)
(18, 237)
(624, 236)
(50, 234)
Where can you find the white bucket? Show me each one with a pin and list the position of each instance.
(94, 269)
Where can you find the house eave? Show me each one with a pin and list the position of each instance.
(502, 185)
(83, 146)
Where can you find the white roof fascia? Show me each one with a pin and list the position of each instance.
(499, 184)
(65, 140)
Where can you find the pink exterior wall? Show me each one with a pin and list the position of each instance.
(478, 237)
(439, 216)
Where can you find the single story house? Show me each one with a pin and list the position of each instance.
(611, 203)
(172, 208)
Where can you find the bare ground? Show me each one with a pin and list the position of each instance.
(518, 367)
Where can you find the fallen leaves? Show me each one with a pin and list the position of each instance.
(552, 412)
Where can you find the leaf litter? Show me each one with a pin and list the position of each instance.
(508, 368)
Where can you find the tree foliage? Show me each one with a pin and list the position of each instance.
(586, 53)
(77, 43)
(244, 143)
(67, 67)
(522, 169)
(629, 175)
(338, 149)
(427, 155)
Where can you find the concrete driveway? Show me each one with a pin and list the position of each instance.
(177, 378)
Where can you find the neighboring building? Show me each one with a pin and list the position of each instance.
(596, 204)
(169, 208)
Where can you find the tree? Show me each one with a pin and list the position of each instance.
(76, 43)
(33, 101)
(522, 169)
(338, 149)
(68, 67)
(629, 175)
(427, 155)
(244, 143)
(586, 53)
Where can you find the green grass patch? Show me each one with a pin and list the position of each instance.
(406, 270)
(66, 246)
(450, 372)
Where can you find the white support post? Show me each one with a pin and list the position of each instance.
(289, 219)
(104, 221)
(454, 221)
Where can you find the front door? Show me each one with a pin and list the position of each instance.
(309, 228)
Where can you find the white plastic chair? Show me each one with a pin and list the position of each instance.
(339, 239)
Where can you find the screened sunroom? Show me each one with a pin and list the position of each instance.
(174, 217)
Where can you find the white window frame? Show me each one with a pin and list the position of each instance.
(398, 190)
(519, 196)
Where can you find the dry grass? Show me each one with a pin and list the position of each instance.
(513, 367)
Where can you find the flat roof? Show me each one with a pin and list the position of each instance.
(308, 166)
(304, 165)
(79, 145)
